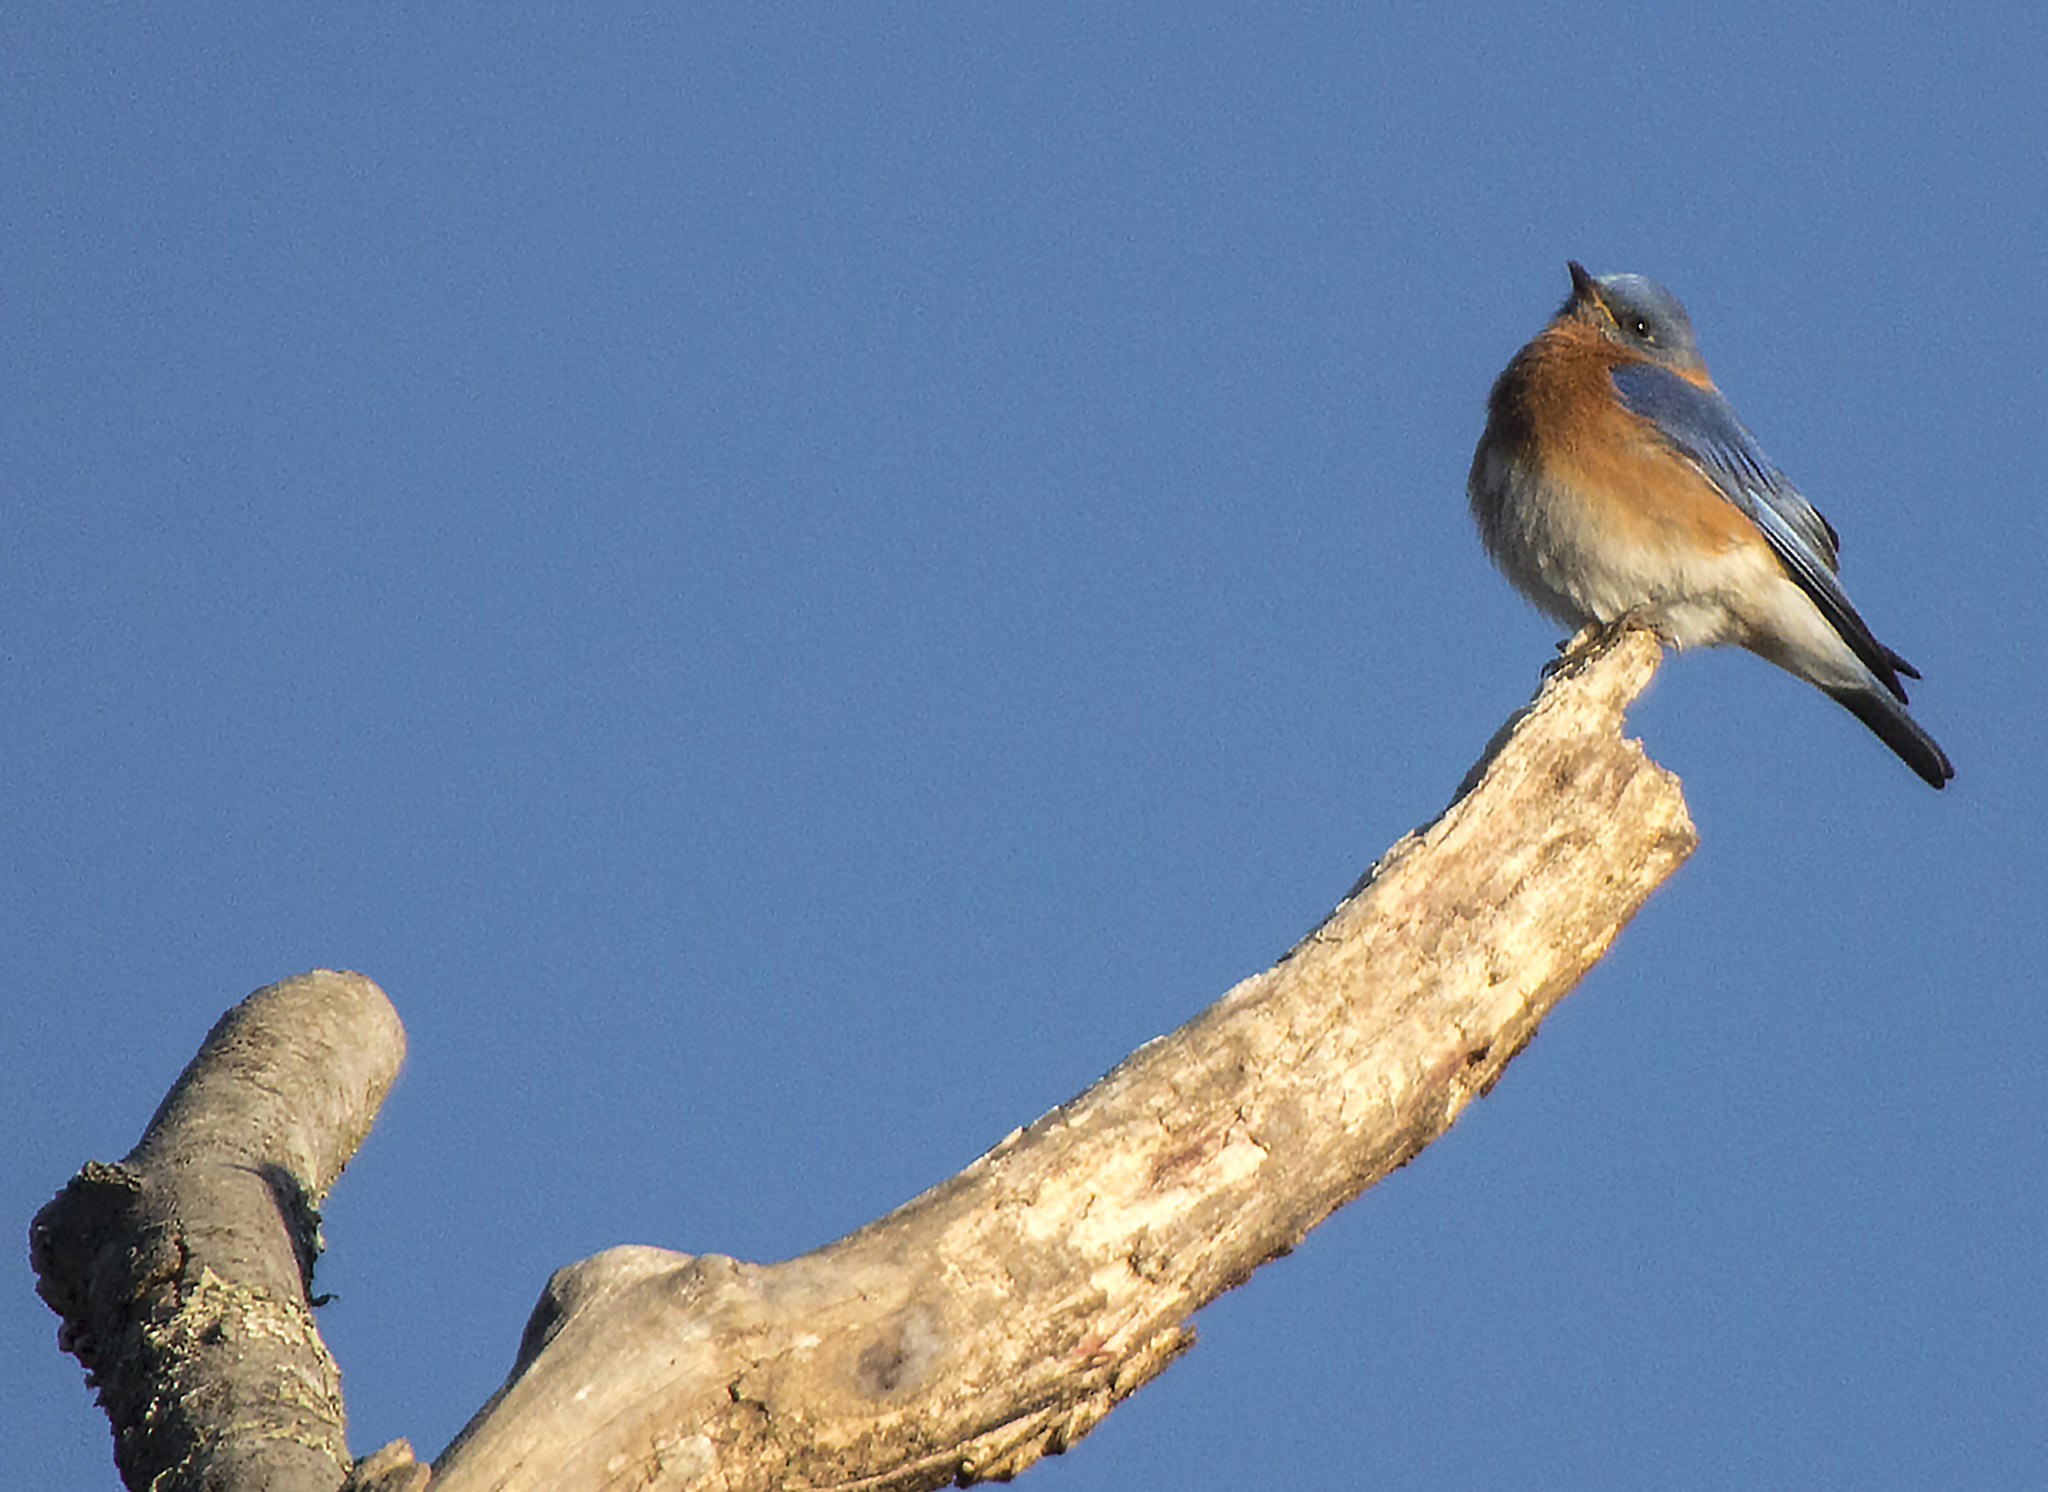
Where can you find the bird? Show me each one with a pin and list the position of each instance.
(1615, 485)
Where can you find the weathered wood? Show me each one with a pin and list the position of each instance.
(988, 1322)
(182, 1273)
(1000, 1315)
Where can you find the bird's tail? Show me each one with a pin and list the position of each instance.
(1887, 717)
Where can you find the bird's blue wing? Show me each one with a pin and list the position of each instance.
(1702, 426)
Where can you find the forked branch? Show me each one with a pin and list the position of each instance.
(1000, 1315)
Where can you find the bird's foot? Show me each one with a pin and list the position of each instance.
(1596, 638)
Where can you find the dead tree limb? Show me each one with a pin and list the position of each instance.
(1000, 1315)
(182, 1274)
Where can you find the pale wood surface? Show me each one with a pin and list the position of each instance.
(1001, 1314)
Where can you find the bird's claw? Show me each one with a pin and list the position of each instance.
(1596, 638)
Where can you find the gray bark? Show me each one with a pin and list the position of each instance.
(182, 1273)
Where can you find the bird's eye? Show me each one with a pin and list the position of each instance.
(1641, 327)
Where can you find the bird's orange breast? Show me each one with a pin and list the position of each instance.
(1629, 482)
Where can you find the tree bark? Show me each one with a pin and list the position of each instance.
(182, 1273)
(1000, 1315)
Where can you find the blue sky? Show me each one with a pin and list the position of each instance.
(794, 582)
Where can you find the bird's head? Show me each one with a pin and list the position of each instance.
(1638, 313)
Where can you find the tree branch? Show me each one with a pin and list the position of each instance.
(1000, 1315)
(182, 1274)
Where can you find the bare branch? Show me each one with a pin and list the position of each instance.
(1000, 1315)
(988, 1322)
(182, 1274)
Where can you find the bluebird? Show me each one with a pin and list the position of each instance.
(1614, 482)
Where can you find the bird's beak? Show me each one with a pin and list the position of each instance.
(1587, 299)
